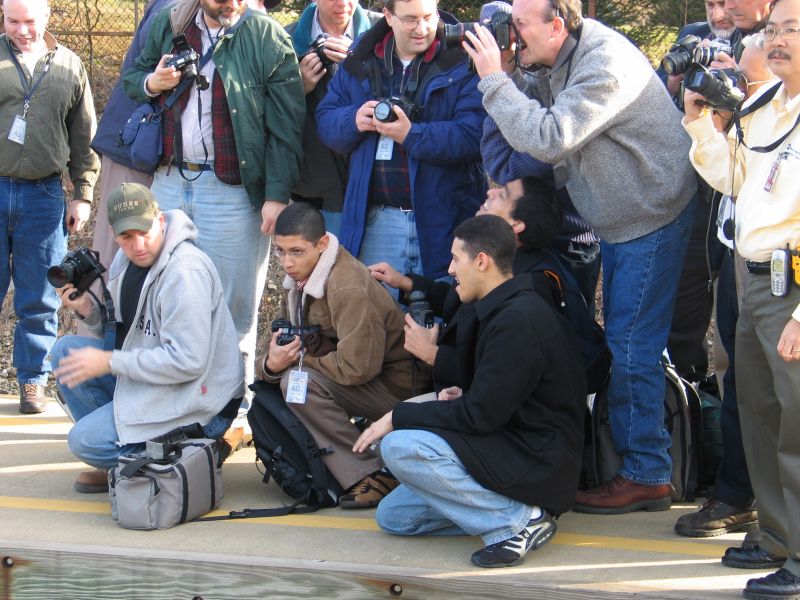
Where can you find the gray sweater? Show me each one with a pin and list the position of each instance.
(610, 127)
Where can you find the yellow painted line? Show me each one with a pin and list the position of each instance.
(622, 543)
(74, 506)
(6, 421)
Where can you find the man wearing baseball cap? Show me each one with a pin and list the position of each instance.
(175, 360)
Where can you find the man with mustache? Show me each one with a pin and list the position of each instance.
(757, 162)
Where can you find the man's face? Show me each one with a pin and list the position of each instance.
(414, 25)
(25, 22)
(143, 247)
(783, 56)
(502, 201)
(225, 13)
(336, 12)
(535, 27)
(297, 255)
(718, 19)
(465, 272)
(747, 14)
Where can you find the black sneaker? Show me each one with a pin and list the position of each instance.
(510, 552)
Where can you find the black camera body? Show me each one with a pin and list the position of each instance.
(161, 448)
(499, 25)
(288, 331)
(719, 87)
(185, 58)
(384, 110)
(420, 309)
(318, 47)
(688, 51)
(81, 268)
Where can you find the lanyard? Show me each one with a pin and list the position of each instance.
(30, 89)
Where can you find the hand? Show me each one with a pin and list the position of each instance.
(311, 70)
(269, 214)
(163, 78)
(789, 344)
(482, 48)
(387, 274)
(336, 48)
(722, 61)
(281, 358)
(421, 341)
(692, 105)
(78, 212)
(374, 432)
(364, 116)
(396, 130)
(81, 365)
(674, 84)
(450, 393)
(82, 304)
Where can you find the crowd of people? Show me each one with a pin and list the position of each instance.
(359, 147)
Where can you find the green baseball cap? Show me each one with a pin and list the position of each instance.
(131, 206)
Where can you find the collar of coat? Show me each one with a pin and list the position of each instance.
(315, 286)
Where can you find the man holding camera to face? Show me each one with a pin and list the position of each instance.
(174, 360)
(404, 106)
(347, 358)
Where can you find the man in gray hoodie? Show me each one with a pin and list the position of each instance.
(608, 125)
(175, 360)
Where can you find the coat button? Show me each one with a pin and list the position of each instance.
(244, 163)
(233, 111)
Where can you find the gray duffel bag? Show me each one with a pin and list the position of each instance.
(148, 493)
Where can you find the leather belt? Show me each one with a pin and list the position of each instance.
(757, 268)
(192, 166)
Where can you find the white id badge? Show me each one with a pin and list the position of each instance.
(298, 384)
(17, 133)
(385, 148)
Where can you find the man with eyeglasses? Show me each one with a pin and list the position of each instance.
(233, 141)
(609, 125)
(414, 166)
(757, 162)
(354, 366)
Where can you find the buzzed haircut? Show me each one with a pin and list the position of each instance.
(491, 235)
(539, 210)
(300, 218)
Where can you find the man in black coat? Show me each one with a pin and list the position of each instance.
(500, 455)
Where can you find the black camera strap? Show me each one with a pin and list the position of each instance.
(109, 319)
(408, 85)
(762, 101)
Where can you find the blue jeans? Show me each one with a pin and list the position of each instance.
(640, 281)
(230, 233)
(333, 221)
(34, 232)
(437, 495)
(93, 438)
(391, 236)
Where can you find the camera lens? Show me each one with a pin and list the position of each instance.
(60, 275)
(384, 112)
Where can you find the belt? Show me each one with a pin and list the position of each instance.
(757, 268)
(192, 166)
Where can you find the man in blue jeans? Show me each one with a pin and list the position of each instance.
(175, 360)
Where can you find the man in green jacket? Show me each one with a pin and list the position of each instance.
(233, 141)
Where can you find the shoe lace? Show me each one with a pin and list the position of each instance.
(30, 389)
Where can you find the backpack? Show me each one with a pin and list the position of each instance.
(682, 419)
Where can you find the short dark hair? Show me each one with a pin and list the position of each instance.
(300, 218)
(539, 210)
(390, 4)
(491, 235)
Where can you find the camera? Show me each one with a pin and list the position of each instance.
(499, 25)
(288, 331)
(162, 447)
(81, 268)
(384, 110)
(318, 47)
(185, 59)
(719, 87)
(688, 50)
(420, 309)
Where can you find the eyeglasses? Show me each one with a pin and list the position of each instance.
(788, 33)
(409, 22)
(293, 254)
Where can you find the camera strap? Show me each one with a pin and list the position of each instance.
(762, 101)
(408, 84)
(109, 319)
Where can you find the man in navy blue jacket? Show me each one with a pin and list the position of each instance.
(416, 174)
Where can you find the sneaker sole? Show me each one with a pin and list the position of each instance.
(351, 505)
(706, 533)
(648, 505)
(85, 488)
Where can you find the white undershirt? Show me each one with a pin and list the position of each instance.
(31, 59)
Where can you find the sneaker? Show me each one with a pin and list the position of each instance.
(511, 551)
(715, 518)
(31, 398)
(369, 491)
(92, 482)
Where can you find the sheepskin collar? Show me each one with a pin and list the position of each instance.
(315, 286)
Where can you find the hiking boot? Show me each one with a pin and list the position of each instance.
(510, 552)
(780, 585)
(715, 518)
(31, 398)
(92, 482)
(751, 557)
(230, 442)
(369, 491)
(621, 495)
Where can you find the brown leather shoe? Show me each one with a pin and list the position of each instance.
(31, 398)
(92, 482)
(620, 496)
(369, 491)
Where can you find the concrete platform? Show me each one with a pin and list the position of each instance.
(56, 543)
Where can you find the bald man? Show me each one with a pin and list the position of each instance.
(47, 122)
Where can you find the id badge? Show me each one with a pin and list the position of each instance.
(17, 133)
(385, 148)
(298, 385)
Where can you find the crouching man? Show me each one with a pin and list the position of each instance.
(355, 365)
(500, 455)
(176, 358)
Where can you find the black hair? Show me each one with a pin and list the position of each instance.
(492, 236)
(300, 218)
(538, 209)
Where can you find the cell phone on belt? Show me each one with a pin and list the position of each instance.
(779, 267)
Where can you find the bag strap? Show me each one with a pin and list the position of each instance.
(253, 513)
